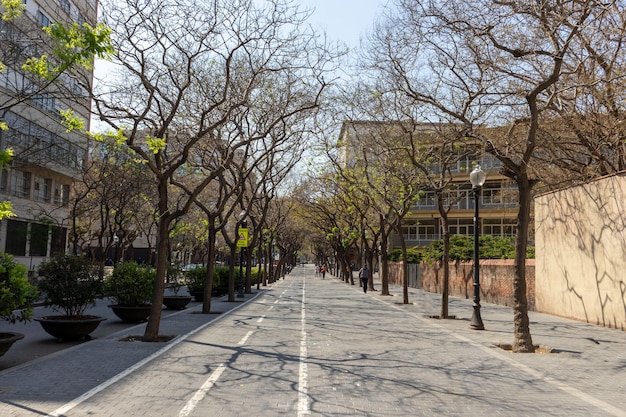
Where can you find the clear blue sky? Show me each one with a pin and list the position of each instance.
(344, 20)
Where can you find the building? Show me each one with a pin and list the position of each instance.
(47, 159)
(423, 224)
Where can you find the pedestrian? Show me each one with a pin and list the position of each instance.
(323, 271)
(364, 275)
(317, 271)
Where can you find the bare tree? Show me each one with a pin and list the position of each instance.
(189, 74)
(485, 65)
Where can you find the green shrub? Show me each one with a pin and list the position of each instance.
(69, 283)
(462, 248)
(194, 279)
(413, 255)
(220, 277)
(131, 284)
(16, 293)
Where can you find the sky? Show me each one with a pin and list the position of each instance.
(344, 20)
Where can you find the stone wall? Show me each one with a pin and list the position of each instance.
(496, 279)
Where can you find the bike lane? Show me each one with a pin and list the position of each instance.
(321, 347)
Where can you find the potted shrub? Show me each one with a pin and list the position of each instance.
(16, 296)
(131, 287)
(173, 300)
(69, 284)
(220, 281)
(194, 279)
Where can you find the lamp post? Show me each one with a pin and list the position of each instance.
(477, 178)
(242, 244)
(116, 243)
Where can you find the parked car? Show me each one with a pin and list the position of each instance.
(189, 267)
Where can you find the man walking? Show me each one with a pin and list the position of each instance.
(364, 275)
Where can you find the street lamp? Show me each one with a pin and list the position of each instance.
(242, 244)
(477, 178)
(116, 243)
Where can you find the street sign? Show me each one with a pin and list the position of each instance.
(242, 237)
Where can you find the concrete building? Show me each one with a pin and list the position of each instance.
(423, 225)
(47, 159)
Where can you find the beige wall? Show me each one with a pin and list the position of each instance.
(581, 252)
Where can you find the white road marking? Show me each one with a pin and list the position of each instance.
(202, 392)
(245, 338)
(303, 377)
(75, 402)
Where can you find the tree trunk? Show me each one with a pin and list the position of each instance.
(384, 264)
(405, 266)
(248, 271)
(445, 290)
(210, 269)
(231, 274)
(154, 321)
(522, 340)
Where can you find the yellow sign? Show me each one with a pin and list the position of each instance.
(242, 237)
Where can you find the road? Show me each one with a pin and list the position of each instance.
(309, 346)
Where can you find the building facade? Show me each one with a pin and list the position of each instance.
(423, 224)
(47, 159)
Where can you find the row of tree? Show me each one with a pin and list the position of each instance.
(216, 101)
(537, 85)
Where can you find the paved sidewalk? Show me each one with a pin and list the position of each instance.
(38, 344)
(586, 364)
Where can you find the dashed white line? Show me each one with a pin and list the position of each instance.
(303, 397)
(202, 392)
(245, 338)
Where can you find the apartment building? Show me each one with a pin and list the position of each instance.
(47, 159)
(423, 225)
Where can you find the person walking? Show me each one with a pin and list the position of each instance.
(323, 271)
(364, 275)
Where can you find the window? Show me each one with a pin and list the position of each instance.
(20, 183)
(57, 245)
(421, 232)
(61, 194)
(16, 237)
(42, 19)
(461, 227)
(65, 5)
(410, 232)
(499, 227)
(498, 194)
(43, 189)
(427, 199)
(4, 181)
(44, 102)
(427, 232)
(38, 239)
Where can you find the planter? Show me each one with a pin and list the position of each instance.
(132, 314)
(64, 328)
(219, 291)
(176, 302)
(197, 295)
(7, 340)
